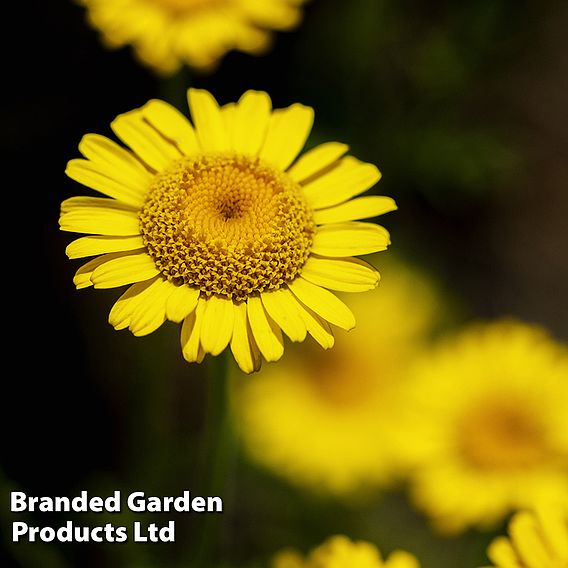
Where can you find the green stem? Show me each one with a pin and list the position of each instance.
(217, 461)
(174, 89)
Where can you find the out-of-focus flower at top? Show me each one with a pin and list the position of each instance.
(220, 227)
(485, 427)
(341, 552)
(168, 33)
(537, 539)
(323, 421)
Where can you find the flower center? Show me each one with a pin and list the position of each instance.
(346, 382)
(227, 224)
(503, 435)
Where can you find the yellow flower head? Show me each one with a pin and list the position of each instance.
(218, 226)
(485, 429)
(168, 33)
(324, 422)
(341, 552)
(537, 539)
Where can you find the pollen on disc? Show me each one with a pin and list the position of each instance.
(228, 225)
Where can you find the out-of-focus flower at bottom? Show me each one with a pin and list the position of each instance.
(323, 420)
(341, 552)
(485, 425)
(537, 539)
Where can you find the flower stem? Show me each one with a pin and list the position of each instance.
(174, 89)
(219, 448)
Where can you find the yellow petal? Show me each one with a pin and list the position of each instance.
(256, 356)
(97, 177)
(123, 309)
(341, 274)
(242, 341)
(228, 113)
(100, 221)
(316, 160)
(151, 313)
(267, 334)
(350, 239)
(401, 559)
(349, 178)
(287, 558)
(502, 554)
(217, 325)
(288, 131)
(94, 245)
(125, 269)
(360, 208)
(525, 533)
(282, 307)
(172, 124)
(208, 121)
(555, 526)
(251, 119)
(82, 278)
(190, 331)
(250, 39)
(273, 15)
(323, 303)
(317, 327)
(182, 301)
(144, 140)
(82, 201)
(116, 162)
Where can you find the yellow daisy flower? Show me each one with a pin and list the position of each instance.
(168, 33)
(485, 428)
(324, 422)
(537, 539)
(219, 226)
(341, 552)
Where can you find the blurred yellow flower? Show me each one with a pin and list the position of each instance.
(324, 421)
(221, 228)
(537, 539)
(485, 426)
(341, 552)
(168, 33)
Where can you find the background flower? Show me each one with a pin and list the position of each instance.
(168, 33)
(485, 424)
(339, 551)
(325, 420)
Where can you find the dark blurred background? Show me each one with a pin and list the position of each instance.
(462, 105)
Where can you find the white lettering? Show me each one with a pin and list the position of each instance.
(17, 501)
(154, 534)
(112, 504)
(198, 504)
(18, 529)
(137, 533)
(47, 534)
(214, 504)
(154, 505)
(136, 502)
(181, 504)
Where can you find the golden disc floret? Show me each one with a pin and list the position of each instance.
(229, 225)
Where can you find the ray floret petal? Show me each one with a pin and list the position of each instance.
(536, 537)
(219, 224)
